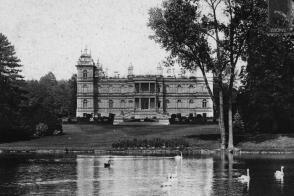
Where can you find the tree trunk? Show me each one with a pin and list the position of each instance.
(230, 122)
(221, 120)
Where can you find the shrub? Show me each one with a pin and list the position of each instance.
(238, 124)
(41, 129)
(151, 143)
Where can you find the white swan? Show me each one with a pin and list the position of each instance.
(280, 174)
(179, 157)
(245, 178)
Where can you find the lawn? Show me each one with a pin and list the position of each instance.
(89, 137)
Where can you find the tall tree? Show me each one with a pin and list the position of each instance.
(267, 94)
(211, 40)
(11, 82)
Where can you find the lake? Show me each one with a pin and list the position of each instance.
(135, 175)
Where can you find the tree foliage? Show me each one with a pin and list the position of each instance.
(11, 88)
(267, 94)
(210, 40)
(49, 99)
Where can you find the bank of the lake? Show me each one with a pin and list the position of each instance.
(202, 139)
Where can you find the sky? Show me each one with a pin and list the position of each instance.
(48, 35)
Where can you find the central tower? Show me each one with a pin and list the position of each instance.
(85, 85)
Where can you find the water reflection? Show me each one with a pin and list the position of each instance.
(143, 176)
(128, 175)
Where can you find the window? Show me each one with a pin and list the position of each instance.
(110, 104)
(191, 86)
(85, 88)
(122, 101)
(137, 87)
(179, 101)
(191, 101)
(85, 103)
(179, 86)
(204, 103)
(85, 74)
(99, 100)
(167, 101)
(130, 101)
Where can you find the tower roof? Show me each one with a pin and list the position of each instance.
(85, 59)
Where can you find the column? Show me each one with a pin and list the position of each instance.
(149, 89)
(149, 100)
(140, 107)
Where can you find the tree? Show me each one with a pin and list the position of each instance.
(11, 84)
(72, 82)
(267, 96)
(214, 40)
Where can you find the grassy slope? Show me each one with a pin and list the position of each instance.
(272, 142)
(88, 137)
(83, 137)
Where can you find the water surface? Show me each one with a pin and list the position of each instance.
(130, 175)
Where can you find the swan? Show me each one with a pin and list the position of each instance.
(107, 165)
(279, 174)
(244, 178)
(179, 157)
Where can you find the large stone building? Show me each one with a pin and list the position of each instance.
(138, 96)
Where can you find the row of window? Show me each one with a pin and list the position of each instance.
(122, 86)
(85, 102)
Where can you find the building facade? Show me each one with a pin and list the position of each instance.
(138, 96)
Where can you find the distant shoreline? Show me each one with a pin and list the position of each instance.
(136, 152)
(94, 139)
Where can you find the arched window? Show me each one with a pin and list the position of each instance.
(204, 103)
(179, 101)
(179, 86)
(85, 74)
(191, 101)
(122, 101)
(110, 104)
(85, 88)
(191, 86)
(85, 103)
(167, 101)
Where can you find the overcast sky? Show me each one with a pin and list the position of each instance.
(49, 35)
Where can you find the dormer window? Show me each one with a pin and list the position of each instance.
(85, 74)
